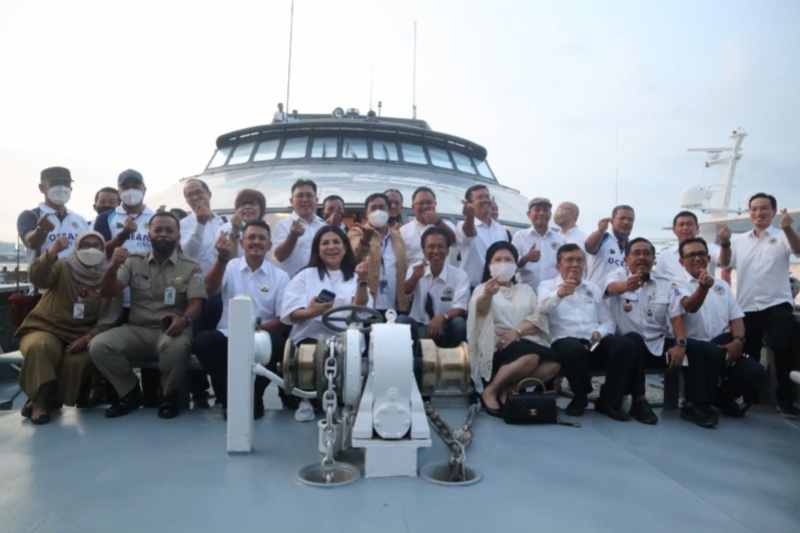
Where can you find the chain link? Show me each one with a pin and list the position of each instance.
(456, 439)
(329, 401)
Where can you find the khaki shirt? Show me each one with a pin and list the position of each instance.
(150, 284)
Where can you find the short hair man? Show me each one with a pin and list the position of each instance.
(39, 228)
(607, 249)
(423, 202)
(166, 295)
(254, 275)
(685, 226)
(537, 245)
(646, 307)
(200, 229)
(761, 260)
(477, 232)
(566, 218)
(583, 335)
(714, 316)
(333, 212)
(385, 252)
(106, 199)
(439, 293)
(279, 115)
(127, 225)
(395, 207)
(293, 235)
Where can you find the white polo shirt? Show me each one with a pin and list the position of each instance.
(473, 249)
(265, 286)
(70, 227)
(669, 262)
(578, 315)
(762, 269)
(198, 240)
(575, 235)
(647, 310)
(412, 237)
(301, 253)
(449, 290)
(714, 316)
(608, 258)
(533, 273)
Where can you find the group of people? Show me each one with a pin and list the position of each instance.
(141, 285)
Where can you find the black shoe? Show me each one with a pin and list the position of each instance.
(694, 414)
(788, 411)
(169, 408)
(258, 410)
(41, 419)
(576, 407)
(497, 413)
(601, 406)
(26, 410)
(642, 412)
(709, 412)
(200, 402)
(729, 407)
(126, 404)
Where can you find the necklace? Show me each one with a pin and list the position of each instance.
(507, 292)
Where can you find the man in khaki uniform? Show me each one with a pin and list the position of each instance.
(167, 293)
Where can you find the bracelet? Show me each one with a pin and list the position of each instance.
(446, 318)
(221, 260)
(519, 331)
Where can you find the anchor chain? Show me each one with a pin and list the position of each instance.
(329, 401)
(456, 439)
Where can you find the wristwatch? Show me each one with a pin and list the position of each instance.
(363, 283)
(681, 343)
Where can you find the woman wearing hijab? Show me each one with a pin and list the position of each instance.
(54, 337)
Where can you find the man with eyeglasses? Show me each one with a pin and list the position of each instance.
(714, 316)
(200, 229)
(477, 232)
(423, 202)
(606, 249)
(566, 218)
(538, 245)
(685, 226)
(294, 234)
(647, 309)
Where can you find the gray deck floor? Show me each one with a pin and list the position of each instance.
(85, 473)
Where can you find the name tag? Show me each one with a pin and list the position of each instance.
(78, 310)
(169, 296)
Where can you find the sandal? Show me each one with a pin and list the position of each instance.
(41, 419)
(497, 413)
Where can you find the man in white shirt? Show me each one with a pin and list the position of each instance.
(439, 294)
(127, 226)
(607, 249)
(294, 235)
(477, 232)
(333, 212)
(646, 307)
(685, 226)
(566, 218)
(538, 245)
(200, 230)
(761, 260)
(714, 316)
(423, 202)
(582, 333)
(265, 284)
(279, 115)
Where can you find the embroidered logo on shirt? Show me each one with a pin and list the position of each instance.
(554, 245)
(719, 290)
(264, 288)
(773, 240)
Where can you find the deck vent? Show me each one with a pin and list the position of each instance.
(442, 474)
(343, 474)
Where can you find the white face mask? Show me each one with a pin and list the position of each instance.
(378, 218)
(131, 197)
(503, 271)
(90, 256)
(59, 195)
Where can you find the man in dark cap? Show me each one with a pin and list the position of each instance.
(127, 225)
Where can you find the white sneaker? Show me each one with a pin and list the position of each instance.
(305, 412)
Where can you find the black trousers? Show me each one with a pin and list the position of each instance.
(616, 354)
(211, 349)
(776, 323)
(741, 377)
(702, 375)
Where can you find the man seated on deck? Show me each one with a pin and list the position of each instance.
(423, 202)
(294, 234)
(166, 295)
(582, 332)
(333, 212)
(685, 227)
(713, 315)
(477, 232)
(439, 294)
(606, 249)
(646, 307)
(255, 276)
(537, 245)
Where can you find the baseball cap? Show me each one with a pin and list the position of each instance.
(130, 174)
(56, 174)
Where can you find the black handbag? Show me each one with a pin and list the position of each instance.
(537, 407)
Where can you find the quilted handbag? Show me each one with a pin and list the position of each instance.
(537, 407)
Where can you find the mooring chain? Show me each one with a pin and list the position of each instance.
(329, 401)
(456, 439)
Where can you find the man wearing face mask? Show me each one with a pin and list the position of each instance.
(294, 235)
(105, 200)
(607, 249)
(127, 225)
(537, 245)
(383, 247)
(40, 227)
(167, 294)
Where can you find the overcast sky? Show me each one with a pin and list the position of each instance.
(562, 94)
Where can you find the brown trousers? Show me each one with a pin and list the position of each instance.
(48, 371)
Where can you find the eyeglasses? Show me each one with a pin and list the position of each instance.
(195, 193)
(304, 195)
(695, 255)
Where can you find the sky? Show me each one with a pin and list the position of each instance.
(587, 101)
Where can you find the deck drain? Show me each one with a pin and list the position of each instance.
(343, 474)
(439, 473)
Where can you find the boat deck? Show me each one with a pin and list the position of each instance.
(85, 473)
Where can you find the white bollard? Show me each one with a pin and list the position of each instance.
(240, 375)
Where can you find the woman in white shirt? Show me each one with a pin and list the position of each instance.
(508, 336)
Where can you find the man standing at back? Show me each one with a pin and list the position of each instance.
(423, 202)
(127, 226)
(477, 232)
(607, 249)
(294, 234)
(761, 260)
(200, 230)
(685, 227)
(538, 245)
(566, 218)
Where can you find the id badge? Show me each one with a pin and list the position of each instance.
(169, 296)
(383, 286)
(78, 310)
(650, 316)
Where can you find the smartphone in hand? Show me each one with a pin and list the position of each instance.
(325, 296)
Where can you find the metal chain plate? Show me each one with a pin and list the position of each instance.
(329, 400)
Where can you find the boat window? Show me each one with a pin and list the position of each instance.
(483, 169)
(220, 157)
(267, 150)
(324, 147)
(294, 148)
(242, 153)
(413, 153)
(463, 162)
(384, 151)
(439, 157)
(355, 149)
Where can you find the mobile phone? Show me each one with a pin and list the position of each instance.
(166, 322)
(325, 296)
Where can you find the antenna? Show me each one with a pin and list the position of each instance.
(616, 163)
(289, 75)
(414, 82)
(724, 199)
(371, 70)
